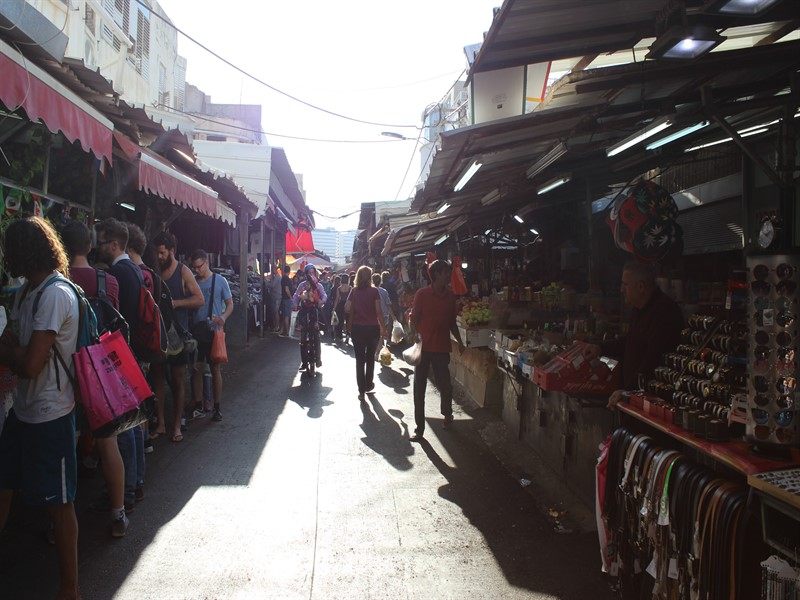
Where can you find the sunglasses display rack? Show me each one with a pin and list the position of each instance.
(772, 359)
(701, 380)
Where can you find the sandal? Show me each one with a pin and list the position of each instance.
(177, 438)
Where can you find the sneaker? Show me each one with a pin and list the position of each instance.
(217, 416)
(319, 363)
(184, 426)
(303, 367)
(102, 505)
(119, 527)
(148, 447)
(199, 413)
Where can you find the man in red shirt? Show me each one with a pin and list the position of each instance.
(434, 319)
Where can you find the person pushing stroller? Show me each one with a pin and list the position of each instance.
(309, 298)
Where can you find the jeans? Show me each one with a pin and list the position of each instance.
(365, 342)
(441, 372)
(310, 347)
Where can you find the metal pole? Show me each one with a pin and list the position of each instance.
(243, 221)
(589, 236)
(262, 270)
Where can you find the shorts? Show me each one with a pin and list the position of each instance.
(203, 352)
(39, 460)
(179, 360)
(286, 308)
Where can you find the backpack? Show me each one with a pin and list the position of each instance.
(147, 342)
(108, 318)
(172, 334)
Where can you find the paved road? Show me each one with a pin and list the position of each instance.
(302, 492)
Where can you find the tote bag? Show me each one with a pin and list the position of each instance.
(219, 352)
(112, 386)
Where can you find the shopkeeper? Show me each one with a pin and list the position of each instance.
(655, 328)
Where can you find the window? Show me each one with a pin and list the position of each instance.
(142, 44)
(123, 9)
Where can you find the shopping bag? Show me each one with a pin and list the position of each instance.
(219, 353)
(413, 355)
(385, 357)
(112, 386)
(397, 333)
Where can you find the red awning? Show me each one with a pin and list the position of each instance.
(26, 86)
(159, 177)
(301, 243)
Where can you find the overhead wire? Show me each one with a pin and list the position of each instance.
(280, 135)
(264, 83)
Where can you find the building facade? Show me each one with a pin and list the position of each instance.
(337, 245)
(451, 113)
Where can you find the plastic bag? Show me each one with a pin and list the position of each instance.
(385, 357)
(397, 333)
(413, 355)
(219, 352)
(334, 319)
(293, 329)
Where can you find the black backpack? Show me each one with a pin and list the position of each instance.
(109, 318)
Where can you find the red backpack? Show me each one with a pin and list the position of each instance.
(147, 340)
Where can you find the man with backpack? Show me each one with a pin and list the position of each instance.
(112, 242)
(100, 287)
(37, 445)
(186, 296)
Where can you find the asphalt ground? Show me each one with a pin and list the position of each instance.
(304, 492)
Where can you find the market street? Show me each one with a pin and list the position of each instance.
(302, 493)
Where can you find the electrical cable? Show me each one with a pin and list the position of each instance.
(408, 167)
(280, 135)
(264, 83)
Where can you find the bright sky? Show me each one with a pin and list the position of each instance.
(371, 59)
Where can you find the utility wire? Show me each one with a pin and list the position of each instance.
(264, 83)
(280, 135)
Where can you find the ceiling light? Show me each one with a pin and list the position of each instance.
(754, 127)
(487, 232)
(548, 159)
(442, 208)
(420, 234)
(491, 197)
(534, 232)
(519, 219)
(682, 42)
(553, 184)
(677, 135)
(739, 7)
(714, 143)
(655, 126)
(441, 239)
(127, 206)
(467, 175)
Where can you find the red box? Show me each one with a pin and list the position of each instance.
(574, 373)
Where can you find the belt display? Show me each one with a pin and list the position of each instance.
(772, 391)
(669, 518)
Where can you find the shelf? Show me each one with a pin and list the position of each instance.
(735, 454)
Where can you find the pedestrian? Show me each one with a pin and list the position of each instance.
(434, 318)
(365, 320)
(309, 298)
(77, 240)
(287, 291)
(389, 283)
(386, 309)
(37, 444)
(216, 310)
(342, 292)
(330, 305)
(275, 297)
(186, 296)
(112, 244)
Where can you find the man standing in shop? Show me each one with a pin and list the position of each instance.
(287, 291)
(654, 330)
(434, 318)
(186, 296)
(218, 306)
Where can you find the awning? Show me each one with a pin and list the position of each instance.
(26, 86)
(302, 242)
(308, 259)
(160, 178)
(423, 235)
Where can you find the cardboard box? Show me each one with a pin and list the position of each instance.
(474, 338)
(572, 372)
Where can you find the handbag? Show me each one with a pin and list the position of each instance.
(413, 355)
(201, 331)
(112, 387)
(219, 352)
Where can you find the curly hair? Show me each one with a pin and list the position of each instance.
(31, 246)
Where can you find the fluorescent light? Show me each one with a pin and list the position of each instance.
(442, 208)
(420, 234)
(677, 135)
(714, 143)
(464, 179)
(128, 206)
(652, 129)
(682, 42)
(739, 7)
(519, 219)
(534, 232)
(487, 232)
(491, 197)
(553, 184)
(548, 159)
(441, 239)
(754, 127)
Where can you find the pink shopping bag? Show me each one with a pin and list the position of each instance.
(112, 385)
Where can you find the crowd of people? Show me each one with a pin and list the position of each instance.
(45, 436)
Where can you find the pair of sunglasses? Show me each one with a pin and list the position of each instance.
(783, 271)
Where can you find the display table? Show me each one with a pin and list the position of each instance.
(735, 454)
